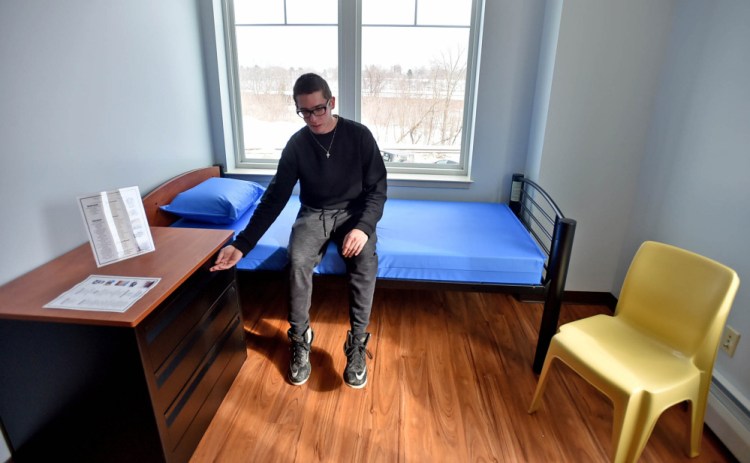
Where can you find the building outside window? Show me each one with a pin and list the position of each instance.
(409, 70)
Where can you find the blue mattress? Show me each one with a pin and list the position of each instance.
(420, 240)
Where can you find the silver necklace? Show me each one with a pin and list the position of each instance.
(328, 151)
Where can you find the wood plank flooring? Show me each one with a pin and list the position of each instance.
(450, 381)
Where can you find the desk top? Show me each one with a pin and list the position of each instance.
(179, 253)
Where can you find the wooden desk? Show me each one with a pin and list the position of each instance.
(136, 386)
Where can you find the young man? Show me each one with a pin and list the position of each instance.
(342, 181)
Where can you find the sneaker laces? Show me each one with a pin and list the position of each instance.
(355, 353)
(300, 352)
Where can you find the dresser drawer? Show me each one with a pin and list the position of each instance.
(164, 330)
(216, 371)
(188, 356)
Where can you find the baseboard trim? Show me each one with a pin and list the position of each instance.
(729, 418)
(590, 297)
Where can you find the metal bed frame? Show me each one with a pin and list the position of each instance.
(536, 210)
(553, 232)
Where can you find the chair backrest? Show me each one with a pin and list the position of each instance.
(680, 298)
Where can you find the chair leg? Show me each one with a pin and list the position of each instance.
(697, 417)
(633, 422)
(541, 384)
(696, 429)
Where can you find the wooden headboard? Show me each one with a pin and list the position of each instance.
(165, 193)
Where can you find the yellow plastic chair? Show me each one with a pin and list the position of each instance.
(659, 347)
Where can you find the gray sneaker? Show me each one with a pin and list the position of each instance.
(299, 364)
(355, 348)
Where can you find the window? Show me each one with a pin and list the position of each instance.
(404, 68)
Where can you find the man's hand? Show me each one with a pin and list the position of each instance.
(228, 258)
(354, 241)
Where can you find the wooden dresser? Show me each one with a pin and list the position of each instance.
(138, 386)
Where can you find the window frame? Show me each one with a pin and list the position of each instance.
(349, 92)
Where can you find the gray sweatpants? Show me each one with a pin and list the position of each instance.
(311, 232)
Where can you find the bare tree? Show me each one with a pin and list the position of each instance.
(373, 80)
(448, 73)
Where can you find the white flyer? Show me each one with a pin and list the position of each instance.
(104, 293)
(116, 225)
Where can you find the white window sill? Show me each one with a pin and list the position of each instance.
(394, 179)
(429, 180)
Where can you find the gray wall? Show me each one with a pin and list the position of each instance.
(607, 66)
(644, 97)
(93, 96)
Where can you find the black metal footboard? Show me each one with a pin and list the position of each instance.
(554, 233)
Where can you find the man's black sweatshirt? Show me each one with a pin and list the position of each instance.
(352, 178)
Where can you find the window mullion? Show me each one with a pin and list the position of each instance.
(233, 77)
(350, 58)
(472, 83)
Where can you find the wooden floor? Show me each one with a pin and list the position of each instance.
(450, 381)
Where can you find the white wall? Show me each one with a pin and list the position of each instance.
(93, 96)
(607, 66)
(507, 80)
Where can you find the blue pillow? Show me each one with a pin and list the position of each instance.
(216, 200)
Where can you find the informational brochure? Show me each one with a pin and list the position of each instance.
(104, 293)
(116, 225)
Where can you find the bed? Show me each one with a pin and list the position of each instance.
(522, 247)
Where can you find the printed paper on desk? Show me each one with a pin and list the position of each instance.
(104, 293)
(116, 225)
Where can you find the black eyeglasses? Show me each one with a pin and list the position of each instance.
(316, 111)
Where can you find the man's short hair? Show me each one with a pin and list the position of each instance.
(311, 83)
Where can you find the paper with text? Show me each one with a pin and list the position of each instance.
(104, 293)
(116, 225)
